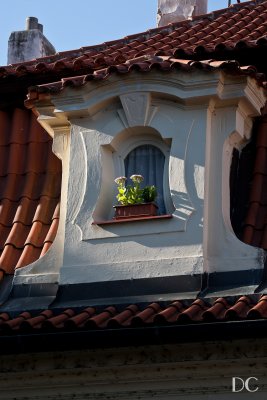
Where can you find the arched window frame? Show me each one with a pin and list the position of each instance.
(132, 142)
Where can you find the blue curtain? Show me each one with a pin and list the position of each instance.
(148, 160)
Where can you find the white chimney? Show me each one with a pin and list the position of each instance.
(29, 44)
(179, 10)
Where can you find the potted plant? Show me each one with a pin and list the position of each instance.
(135, 202)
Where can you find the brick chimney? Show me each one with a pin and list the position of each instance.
(179, 10)
(29, 44)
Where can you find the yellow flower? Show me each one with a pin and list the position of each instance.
(137, 178)
(120, 180)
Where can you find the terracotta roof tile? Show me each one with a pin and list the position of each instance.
(79, 320)
(135, 315)
(58, 321)
(9, 258)
(258, 192)
(240, 309)
(25, 211)
(3, 318)
(256, 217)
(236, 23)
(30, 181)
(29, 254)
(261, 239)
(17, 235)
(261, 161)
(45, 248)
(147, 315)
(15, 323)
(36, 322)
(258, 238)
(259, 310)
(217, 311)
(248, 235)
(37, 234)
(194, 312)
(143, 63)
(170, 314)
(101, 320)
(255, 224)
(124, 318)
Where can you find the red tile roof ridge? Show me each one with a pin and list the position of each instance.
(80, 319)
(146, 315)
(4, 317)
(240, 309)
(100, 320)
(58, 320)
(170, 314)
(130, 38)
(200, 310)
(36, 322)
(14, 324)
(217, 310)
(194, 312)
(145, 64)
(260, 309)
(124, 318)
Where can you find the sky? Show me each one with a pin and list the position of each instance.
(72, 24)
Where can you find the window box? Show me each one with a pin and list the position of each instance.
(135, 210)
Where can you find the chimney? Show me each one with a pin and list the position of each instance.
(179, 10)
(29, 44)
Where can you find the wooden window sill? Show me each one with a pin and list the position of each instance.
(135, 219)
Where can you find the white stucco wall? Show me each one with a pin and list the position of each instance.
(201, 116)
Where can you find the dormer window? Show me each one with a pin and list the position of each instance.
(180, 130)
(149, 161)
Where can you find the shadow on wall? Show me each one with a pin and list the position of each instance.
(194, 229)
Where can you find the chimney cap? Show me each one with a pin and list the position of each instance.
(32, 23)
(170, 11)
(41, 27)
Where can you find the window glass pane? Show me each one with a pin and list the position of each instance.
(148, 160)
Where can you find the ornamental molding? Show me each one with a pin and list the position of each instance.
(137, 109)
(187, 87)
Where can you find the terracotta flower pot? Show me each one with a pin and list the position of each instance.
(135, 210)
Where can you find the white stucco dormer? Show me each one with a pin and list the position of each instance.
(195, 118)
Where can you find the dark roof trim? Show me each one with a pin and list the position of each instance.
(158, 335)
